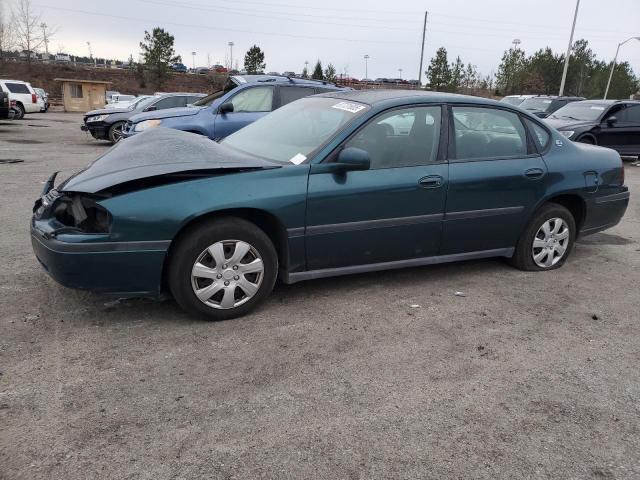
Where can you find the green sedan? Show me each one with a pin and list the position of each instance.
(334, 184)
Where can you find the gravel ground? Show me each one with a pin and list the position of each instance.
(382, 375)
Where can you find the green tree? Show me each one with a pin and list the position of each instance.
(542, 73)
(439, 73)
(254, 60)
(581, 63)
(470, 77)
(511, 72)
(317, 71)
(158, 55)
(330, 73)
(457, 74)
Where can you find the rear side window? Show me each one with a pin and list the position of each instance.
(629, 115)
(482, 132)
(18, 88)
(540, 136)
(290, 94)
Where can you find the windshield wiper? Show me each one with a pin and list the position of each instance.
(570, 117)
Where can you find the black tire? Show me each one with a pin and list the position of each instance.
(587, 140)
(115, 132)
(195, 241)
(523, 256)
(20, 112)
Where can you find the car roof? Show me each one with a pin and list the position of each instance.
(280, 79)
(175, 94)
(608, 102)
(372, 97)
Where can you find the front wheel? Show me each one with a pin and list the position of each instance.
(115, 132)
(222, 269)
(547, 241)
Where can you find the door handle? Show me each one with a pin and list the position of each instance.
(431, 181)
(534, 173)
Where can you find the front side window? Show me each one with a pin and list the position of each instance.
(401, 138)
(482, 132)
(256, 99)
(629, 115)
(76, 90)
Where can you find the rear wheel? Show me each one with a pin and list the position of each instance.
(20, 111)
(547, 241)
(222, 269)
(115, 132)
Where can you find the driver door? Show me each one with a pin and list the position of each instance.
(391, 212)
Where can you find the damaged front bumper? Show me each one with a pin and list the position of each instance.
(98, 130)
(93, 261)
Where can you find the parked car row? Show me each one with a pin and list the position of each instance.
(337, 183)
(23, 98)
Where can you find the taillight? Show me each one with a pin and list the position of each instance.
(34, 98)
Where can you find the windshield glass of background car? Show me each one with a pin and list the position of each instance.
(136, 102)
(208, 100)
(512, 100)
(536, 104)
(144, 103)
(292, 132)
(580, 111)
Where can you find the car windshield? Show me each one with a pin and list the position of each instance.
(142, 103)
(206, 101)
(512, 100)
(580, 111)
(293, 132)
(537, 103)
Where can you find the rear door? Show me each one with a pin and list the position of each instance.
(391, 212)
(249, 104)
(496, 177)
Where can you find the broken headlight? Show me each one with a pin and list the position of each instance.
(78, 212)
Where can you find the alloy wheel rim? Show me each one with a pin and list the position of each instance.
(117, 133)
(550, 242)
(227, 274)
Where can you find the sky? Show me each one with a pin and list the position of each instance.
(291, 32)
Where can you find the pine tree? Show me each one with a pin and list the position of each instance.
(439, 73)
(254, 60)
(158, 55)
(317, 71)
(330, 73)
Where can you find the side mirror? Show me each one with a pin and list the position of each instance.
(151, 108)
(226, 107)
(352, 158)
(611, 120)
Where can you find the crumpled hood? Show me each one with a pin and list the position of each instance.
(107, 111)
(159, 151)
(167, 113)
(566, 123)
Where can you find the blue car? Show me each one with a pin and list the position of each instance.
(243, 100)
(179, 67)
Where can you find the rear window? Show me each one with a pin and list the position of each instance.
(290, 94)
(18, 88)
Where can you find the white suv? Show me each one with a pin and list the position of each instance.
(24, 95)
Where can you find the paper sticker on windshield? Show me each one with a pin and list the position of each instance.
(597, 108)
(297, 159)
(349, 107)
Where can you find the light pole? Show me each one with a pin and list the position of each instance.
(306, 68)
(230, 55)
(193, 61)
(566, 59)
(45, 38)
(366, 66)
(400, 72)
(613, 66)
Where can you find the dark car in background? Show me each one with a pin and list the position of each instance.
(544, 105)
(608, 123)
(107, 124)
(243, 100)
(179, 67)
(5, 106)
(334, 184)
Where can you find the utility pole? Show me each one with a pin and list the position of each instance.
(566, 59)
(424, 32)
(366, 66)
(90, 52)
(613, 65)
(45, 38)
(230, 55)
